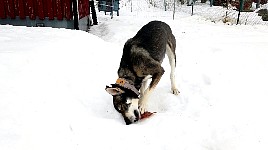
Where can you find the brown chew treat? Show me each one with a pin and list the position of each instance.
(146, 115)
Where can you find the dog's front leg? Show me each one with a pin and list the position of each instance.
(144, 97)
(144, 85)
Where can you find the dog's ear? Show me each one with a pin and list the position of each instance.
(114, 91)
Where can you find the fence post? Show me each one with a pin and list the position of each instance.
(174, 9)
(241, 4)
(211, 3)
(258, 4)
(131, 5)
(94, 16)
(192, 8)
(112, 8)
(165, 5)
(75, 15)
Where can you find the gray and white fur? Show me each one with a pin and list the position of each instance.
(141, 60)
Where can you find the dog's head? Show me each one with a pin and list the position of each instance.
(125, 102)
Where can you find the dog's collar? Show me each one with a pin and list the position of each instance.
(124, 83)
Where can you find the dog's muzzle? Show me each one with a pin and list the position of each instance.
(132, 120)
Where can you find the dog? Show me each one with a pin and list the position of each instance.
(141, 60)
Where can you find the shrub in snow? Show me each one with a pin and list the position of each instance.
(263, 13)
(265, 17)
(228, 19)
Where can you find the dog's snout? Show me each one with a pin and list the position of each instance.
(137, 114)
(128, 122)
(133, 118)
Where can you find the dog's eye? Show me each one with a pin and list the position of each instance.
(123, 107)
(120, 108)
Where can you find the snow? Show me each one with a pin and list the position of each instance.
(52, 86)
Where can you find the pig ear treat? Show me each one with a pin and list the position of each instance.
(146, 115)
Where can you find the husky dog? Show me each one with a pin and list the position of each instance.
(141, 60)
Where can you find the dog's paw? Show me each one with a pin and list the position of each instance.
(142, 108)
(175, 91)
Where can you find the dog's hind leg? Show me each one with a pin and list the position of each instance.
(172, 62)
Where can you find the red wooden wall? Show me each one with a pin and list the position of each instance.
(42, 8)
(83, 8)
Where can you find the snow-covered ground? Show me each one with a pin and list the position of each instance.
(52, 86)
